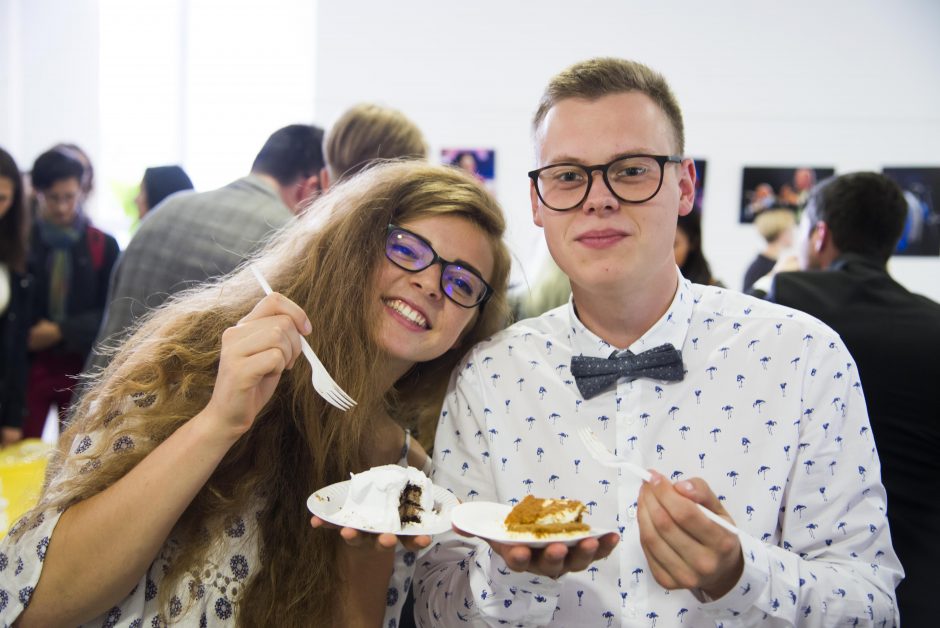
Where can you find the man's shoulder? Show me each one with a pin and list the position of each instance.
(522, 336)
(758, 313)
(244, 211)
(808, 280)
(551, 325)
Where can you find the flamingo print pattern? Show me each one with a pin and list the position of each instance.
(798, 473)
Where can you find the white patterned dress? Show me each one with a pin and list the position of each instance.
(209, 602)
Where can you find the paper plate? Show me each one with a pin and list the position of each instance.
(326, 502)
(485, 520)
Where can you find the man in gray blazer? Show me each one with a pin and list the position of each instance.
(190, 238)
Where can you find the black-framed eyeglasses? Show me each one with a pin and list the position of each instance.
(631, 178)
(461, 283)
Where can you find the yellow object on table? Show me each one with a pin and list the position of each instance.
(22, 469)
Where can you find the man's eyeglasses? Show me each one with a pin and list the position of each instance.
(632, 179)
(409, 251)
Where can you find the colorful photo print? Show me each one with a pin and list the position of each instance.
(763, 188)
(481, 162)
(921, 186)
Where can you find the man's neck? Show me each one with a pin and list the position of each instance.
(620, 317)
(268, 179)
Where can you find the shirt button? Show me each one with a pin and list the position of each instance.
(631, 612)
(631, 512)
(631, 420)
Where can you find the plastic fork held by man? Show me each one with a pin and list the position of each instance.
(599, 452)
(323, 383)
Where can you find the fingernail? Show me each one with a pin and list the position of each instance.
(687, 487)
(307, 327)
(656, 478)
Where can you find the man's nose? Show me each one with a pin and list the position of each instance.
(600, 197)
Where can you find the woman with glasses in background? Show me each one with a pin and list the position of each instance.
(184, 476)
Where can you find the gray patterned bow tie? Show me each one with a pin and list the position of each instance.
(594, 375)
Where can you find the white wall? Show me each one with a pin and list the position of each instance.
(48, 76)
(847, 83)
(200, 83)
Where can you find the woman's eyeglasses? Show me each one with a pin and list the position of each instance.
(409, 251)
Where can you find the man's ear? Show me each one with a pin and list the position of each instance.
(310, 187)
(821, 237)
(686, 186)
(534, 199)
(302, 193)
(324, 179)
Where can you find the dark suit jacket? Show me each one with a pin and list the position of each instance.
(894, 336)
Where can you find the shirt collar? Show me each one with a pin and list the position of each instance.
(259, 184)
(672, 327)
(853, 259)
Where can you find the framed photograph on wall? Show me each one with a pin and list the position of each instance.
(763, 188)
(480, 162)
(921, 186)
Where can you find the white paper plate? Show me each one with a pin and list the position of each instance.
(485, 520)
(326, 502)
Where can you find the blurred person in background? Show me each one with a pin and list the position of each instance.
(690, 258)
(775, 225)
(368, 132)
(14, 300)
(71, 261)
(158, 183)
(197, 237)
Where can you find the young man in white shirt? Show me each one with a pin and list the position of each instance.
(761, 421)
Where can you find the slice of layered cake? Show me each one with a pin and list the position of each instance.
(545, 517)
(388, 498)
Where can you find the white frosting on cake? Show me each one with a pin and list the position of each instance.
(374, 496)
(566, 515)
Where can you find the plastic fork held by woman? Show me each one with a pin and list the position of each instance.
(323, 383)
(601, 454)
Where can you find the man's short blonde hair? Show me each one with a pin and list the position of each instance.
(772, 222)
(603, 76)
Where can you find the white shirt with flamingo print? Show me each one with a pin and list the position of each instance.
(770, 413)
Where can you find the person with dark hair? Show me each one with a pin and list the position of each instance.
(158, 183)
(88, 175)
(179, 494)
(687, 247)
(14, 300)
(726, 399)
(196, 237)
(71, 261)
(848, 230)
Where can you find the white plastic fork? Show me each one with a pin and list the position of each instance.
(604, 456)
(323, 383)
